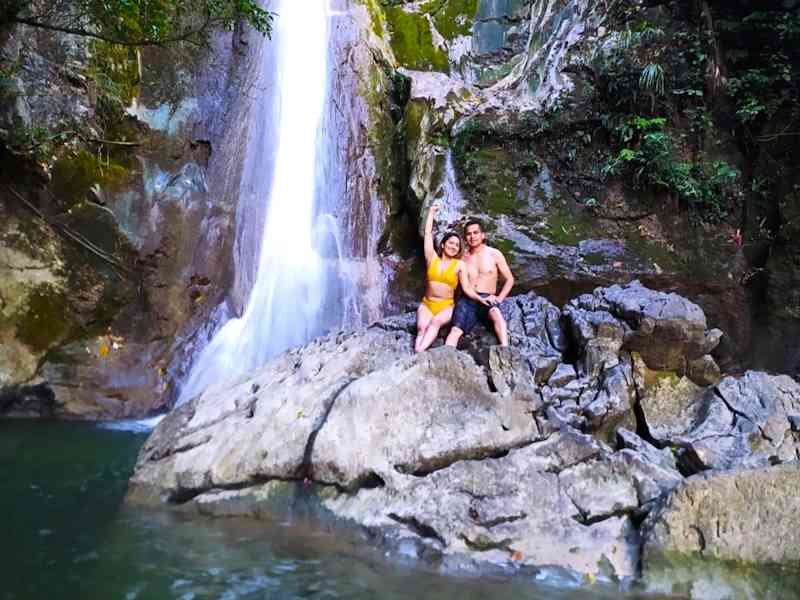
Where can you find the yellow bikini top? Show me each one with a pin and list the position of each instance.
(448, 277)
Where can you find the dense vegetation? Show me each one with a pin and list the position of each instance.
(136, 22)
(689, 89)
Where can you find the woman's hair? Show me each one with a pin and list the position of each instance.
(446, 237)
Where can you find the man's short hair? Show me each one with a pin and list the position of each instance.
(473, 221)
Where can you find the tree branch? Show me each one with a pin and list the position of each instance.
(185, 37)
(71, 235)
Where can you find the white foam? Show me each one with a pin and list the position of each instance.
(133, 425)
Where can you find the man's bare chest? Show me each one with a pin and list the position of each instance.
(481, 266)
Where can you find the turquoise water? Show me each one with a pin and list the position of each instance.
(67, 534)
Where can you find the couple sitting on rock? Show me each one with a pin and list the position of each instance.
(477, 273)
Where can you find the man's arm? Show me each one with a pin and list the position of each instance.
(505, 272)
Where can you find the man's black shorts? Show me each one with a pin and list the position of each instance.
(468, 312)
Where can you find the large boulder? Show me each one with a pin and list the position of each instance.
(745, 515)
(668, 331)
(418, 415)
(536, 506)
(743, 421)
(260, 428)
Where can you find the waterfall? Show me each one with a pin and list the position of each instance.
(300, 288)
(452, 200)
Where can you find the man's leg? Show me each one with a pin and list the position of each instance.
(500, 325)
(464, 319)
(453, 337)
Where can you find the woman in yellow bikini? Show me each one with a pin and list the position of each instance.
(445, 272)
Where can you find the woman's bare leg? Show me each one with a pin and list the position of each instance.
(424, 318)
(440, 320)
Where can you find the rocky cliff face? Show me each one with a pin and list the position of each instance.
(508, 120)
(548, 454)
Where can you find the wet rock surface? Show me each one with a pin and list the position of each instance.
(471, 457)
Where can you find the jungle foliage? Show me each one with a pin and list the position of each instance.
(137, 22)
(673, 95)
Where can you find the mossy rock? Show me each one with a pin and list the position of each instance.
(490, 179)
(115, 69)
(376, 16)
(413, 43)
(75, 174)
(452, 18)
(415, 111)
(44, 321)
(654, 253)
(568, 226)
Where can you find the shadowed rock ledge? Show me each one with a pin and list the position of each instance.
(550, 453)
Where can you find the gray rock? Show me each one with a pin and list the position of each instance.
(260, 428)
(742, 422)
(541, 321)
(440, 455)
(750, 516)
(511, 373)
(562, 376)
(794, 421)
(509, 508)
(612, 404)
(670, 405)
(704, 371)
(418, 415)
(666, 329)
(660, 457)
(599, 336)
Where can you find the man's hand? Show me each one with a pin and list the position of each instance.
(492, 300)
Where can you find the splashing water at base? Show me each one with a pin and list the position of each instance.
(298, 291)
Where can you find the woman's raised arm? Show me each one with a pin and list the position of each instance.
(430, 251)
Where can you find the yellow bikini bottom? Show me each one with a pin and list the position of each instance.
(437, 306)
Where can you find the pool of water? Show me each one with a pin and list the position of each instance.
(68, 534)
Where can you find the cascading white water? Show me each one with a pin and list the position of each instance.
(298, 290)
(452, 200)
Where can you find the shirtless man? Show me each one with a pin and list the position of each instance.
(483, 265)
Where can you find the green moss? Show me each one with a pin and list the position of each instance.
(653, 252)
(75, 174)
(381, 131)
(489, 175)
(505, 246)
(567, 228)
(452, 17)
(376, 16)
(660, 378)
(44, 320)
(115, 70)
(412, 41)
(415, 111)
